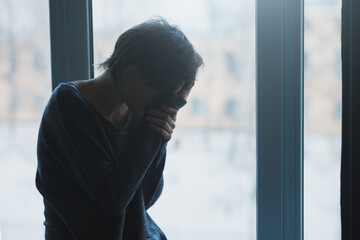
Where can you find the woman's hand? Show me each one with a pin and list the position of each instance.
(163, 121)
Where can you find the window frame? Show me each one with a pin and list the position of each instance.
(71, 40)
(279, 88)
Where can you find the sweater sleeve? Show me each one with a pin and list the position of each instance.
(82, 149)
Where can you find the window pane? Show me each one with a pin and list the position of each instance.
(322, 119)
(25, 89)
(210, 179)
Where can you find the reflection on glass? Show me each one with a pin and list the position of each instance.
(322, 119)
(209, 188)
(25, 89)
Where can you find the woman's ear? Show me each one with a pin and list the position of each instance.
(131, 72)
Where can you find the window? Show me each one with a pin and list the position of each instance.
(231, 106)
(25, 88)
(209, 190)
(197, 106)
(322, 120)
(224, 165)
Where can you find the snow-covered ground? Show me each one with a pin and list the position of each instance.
(209, 190)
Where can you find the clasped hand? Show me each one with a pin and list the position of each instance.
(163, 121)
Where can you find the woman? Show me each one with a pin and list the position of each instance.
(102, 142)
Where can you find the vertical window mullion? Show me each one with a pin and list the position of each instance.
(279, 26)
(71, 40)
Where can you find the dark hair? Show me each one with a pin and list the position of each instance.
(161, 51)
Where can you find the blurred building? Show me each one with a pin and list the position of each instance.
(224, 95)
(24, 60)
(322, 62)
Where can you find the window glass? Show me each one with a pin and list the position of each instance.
(210, 183)
(322, 119)
(25, 88)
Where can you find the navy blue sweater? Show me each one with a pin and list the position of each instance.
(98, 180)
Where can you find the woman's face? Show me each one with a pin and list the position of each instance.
(136, 92)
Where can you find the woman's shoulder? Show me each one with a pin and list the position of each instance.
(67, 99)
(65, 90)
(67, 94)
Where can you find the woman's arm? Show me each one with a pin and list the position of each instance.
(79, 145)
